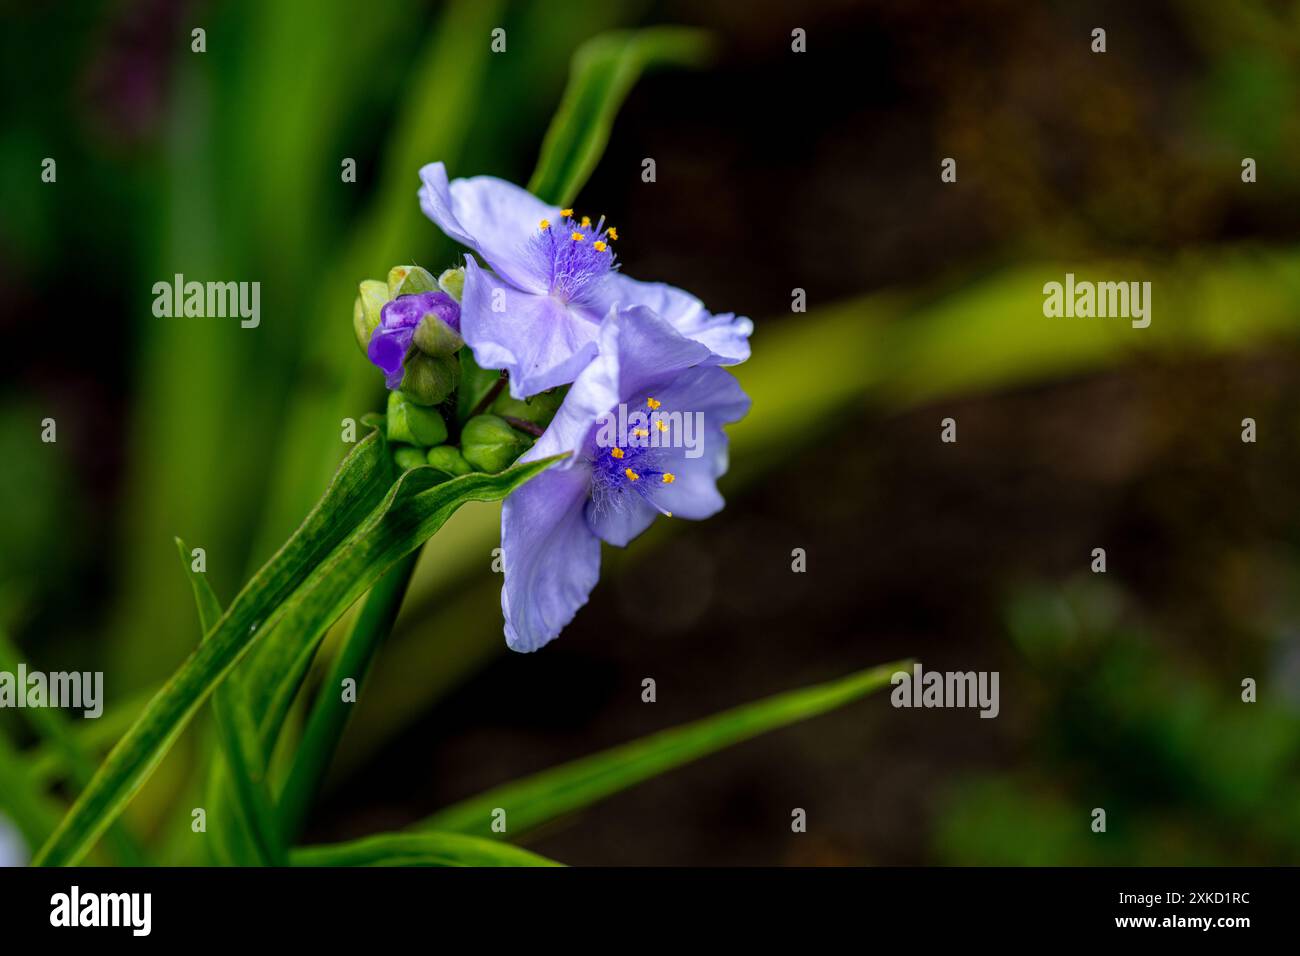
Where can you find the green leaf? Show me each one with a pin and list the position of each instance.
(535, 800)
(329, 713)
(416, 507)
(327, 564)
(240, 746)
(603, 72)
(418, 849)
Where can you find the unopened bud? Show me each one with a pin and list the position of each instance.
(433, 336)
(408, 457)
(452, 282)
(408, 280)
(490, 444)
(449, 461)
(367, 310)
(538, 409)
(427, 380)
(414, 424)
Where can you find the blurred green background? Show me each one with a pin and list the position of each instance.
(776, 171)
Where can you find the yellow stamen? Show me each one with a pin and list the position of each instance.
(616, 452)
(586, 222)
(653, 403)
(631, 475)
(577, 237)
(566, 213)
(599, 246)
(612, 232)
(641, 432)
(545, 224)
(661, 425)
(669, 477)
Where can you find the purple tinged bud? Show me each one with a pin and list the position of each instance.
(399, 320)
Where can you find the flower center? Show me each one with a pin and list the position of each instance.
(634, 465)
(576, 253)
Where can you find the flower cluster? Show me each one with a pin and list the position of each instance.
(542, 303)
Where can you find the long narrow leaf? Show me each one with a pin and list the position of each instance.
(295, 586)
(415, 508)
(329, 713)
(603, 72)
(535, 800)
(237, 734)
(357, 488)
(418, 849)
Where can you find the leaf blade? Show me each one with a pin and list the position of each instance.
(535, 800)
(603, 72)
(296, 588)
(419, 849)
(237, 735)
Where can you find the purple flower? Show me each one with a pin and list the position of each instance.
(398, 319)
(658, 383)
(553, 279)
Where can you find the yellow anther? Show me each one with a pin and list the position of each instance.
(669, 477)
(566, 213)
(631, 475)
(599, 246)
(653, 403)
(612, 232)
(641, 432)
(577, 237)
(661, 425)
(586, 222)
(616, 452)
(545, 224)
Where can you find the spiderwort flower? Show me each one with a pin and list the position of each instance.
(554, 277)
(552, 527)
(399, 320)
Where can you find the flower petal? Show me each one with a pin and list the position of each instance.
(387, 349)
(552, 560)
(726, 335)
(618, 521)
(492, 217)
(539, 340)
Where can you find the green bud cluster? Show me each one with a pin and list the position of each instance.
(431, 369)
(418, 412)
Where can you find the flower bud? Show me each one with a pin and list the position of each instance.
(435, 337)
(449, 461)
(427, 380)
(489, 444)
(538, 409)
(408, 280)
(414, 424)
(366, 311)
(408, 457)
(452, 282)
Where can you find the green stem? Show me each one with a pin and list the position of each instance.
(486, 401)
(329, 713)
